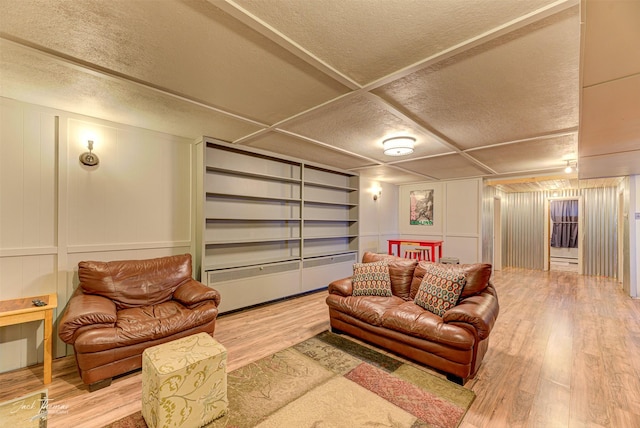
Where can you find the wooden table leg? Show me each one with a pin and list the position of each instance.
(48, 333)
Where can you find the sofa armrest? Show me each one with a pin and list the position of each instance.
(481, 311)
(86, 311)
(192, 293)
(341, 287)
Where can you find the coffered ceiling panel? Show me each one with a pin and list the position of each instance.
(359, 124)
(312, 152)
(65, 87)
(610, 105)
(615, 128)
(524, 157)
(521, 85)
(444, 167)
(190, 48)
(368, 39)
(605, 61)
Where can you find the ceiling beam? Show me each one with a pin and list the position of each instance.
(521, 180)
(243, 15)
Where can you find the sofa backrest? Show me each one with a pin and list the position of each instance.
(477, 276)
(400, 271)
(135, 283)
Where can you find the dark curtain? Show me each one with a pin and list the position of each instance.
(564, 215)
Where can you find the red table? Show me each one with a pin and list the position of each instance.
(433, 244)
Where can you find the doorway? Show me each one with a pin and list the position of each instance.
(565, 235)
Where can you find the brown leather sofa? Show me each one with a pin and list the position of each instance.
(120, 308)
(454, 343)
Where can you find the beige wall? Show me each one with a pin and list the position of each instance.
(457, 207)
(378, 218)
(55, 212)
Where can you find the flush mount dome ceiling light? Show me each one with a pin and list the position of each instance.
(398, 146)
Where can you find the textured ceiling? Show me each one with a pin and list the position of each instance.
(487, 88)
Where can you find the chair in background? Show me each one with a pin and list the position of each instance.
(425, 253)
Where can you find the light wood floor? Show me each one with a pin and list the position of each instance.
(565, 352)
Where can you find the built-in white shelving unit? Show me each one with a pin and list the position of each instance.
(274, 226)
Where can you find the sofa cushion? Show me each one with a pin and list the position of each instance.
(415, 321)
(400, 272)
(477, 274)
(135, 283)
(370, 309)
(371, 279)
(145, 324)
(440, 288)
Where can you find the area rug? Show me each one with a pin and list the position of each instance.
(332, 381)
(25, 412)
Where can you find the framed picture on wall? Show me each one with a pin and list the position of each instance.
(421, 207)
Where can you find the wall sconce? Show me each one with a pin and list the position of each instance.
(376, 196)
(570, 166)
(89, 158)
(398, 146)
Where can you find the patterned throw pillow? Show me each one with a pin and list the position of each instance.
(440, 288)
(371, 279)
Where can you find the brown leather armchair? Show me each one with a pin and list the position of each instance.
(120, 308)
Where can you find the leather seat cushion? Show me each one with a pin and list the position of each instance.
(369, 309)
(137, 325)
(414, 320)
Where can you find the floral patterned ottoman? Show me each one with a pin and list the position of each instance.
(184, 382)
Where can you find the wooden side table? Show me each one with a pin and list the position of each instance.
(18, 311)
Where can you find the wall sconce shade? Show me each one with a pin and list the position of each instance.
(89, 158)
(570, 166)
(398, 146)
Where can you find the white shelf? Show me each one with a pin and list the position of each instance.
(249, 241)
(278, 178)
(256, 197)
(262, 213)
(338, 204)
(308, 238)
(329, 186)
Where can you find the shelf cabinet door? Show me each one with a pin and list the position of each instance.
(319, 272)
(253, 285)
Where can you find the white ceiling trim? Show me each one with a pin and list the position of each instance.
(328, 146)
(562, 133)
(399, 168)
(277, 125)
(440, 138)
(394, 111)
(243, 15)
